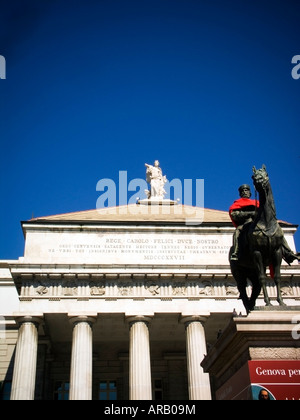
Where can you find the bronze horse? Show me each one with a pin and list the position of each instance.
(262, 245)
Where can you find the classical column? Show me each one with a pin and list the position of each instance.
(199, 384)
(82, 358)
(24, 376)
(140, 385)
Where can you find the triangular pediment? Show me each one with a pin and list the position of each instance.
(140, 213)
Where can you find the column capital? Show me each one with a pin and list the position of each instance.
(187, 319)
(138, 318)
(33, 319)
(75, 319)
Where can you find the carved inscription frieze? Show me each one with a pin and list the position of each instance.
(167, 248)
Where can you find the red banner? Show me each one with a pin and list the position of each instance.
(275, 379)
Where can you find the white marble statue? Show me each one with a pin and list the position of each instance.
(156, 180)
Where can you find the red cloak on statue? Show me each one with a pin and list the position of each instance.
(240, 204)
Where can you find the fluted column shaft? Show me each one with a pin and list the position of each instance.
(199, 384)
(81, 359)
(24, 376)
(140, 385)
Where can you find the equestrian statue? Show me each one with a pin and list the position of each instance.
(258, 241)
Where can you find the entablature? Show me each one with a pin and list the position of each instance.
(137, 282)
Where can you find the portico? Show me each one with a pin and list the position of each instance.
(144, 357)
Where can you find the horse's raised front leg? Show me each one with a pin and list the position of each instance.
(276, 261)
(262, 275)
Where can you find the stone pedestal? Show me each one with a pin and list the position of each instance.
(258, 353)
(140, 385)
(199, 384)
(82, 358)
(24, 377)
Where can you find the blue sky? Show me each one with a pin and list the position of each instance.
(95, 87)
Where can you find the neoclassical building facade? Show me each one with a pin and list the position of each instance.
(121, 303)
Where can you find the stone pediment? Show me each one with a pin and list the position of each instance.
(142, 213)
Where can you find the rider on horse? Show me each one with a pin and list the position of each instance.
(242, 212)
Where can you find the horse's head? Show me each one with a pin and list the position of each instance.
(260, 178)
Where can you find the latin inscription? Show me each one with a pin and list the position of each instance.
(127, 247)
(147, 249)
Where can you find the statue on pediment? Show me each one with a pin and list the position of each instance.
(157, 181)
